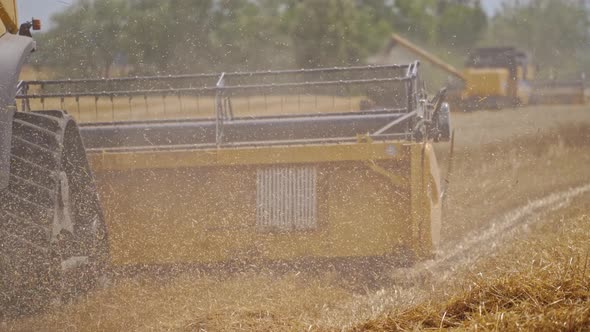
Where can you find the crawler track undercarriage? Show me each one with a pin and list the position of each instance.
(53, 236)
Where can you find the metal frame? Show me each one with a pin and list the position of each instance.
(222, 90)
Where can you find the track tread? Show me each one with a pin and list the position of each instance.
(46, 153)
(20, 239)
(27, 204)
(31, 190)
(36, 134)
(49, 122)
(24, 168)
(10, 217)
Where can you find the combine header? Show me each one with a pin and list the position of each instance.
(276, 165)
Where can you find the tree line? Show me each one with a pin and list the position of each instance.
(91, 37)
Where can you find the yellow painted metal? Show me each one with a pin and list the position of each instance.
(8, 16)
(520, 73)
(424, 189)
(243, 156)
(531, 72)
(486, 82)
(395, 179)
(373, 199)
(433, 200)
(428, 56)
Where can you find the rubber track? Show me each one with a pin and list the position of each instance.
(27, 204)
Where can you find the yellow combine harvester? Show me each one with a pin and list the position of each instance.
(292, 165)
(498, 77)
(235, 178)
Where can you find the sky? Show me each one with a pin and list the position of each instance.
(43, 9)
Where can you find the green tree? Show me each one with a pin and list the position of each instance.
(179, 36)
(86, 39)
(416, 18)
(460, 25)
(333, 32)
(249, 35)
(169, 36)
(555, 32)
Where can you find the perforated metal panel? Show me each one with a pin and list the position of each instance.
(286, 198)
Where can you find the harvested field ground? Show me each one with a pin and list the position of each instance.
(544, 286)
(514, 255)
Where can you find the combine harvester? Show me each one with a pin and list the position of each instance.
(498, 77)
(197, 169)
(261, 166)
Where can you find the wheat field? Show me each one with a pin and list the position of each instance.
(536, 279)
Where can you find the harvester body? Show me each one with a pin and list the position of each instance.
(13, 51)
(51, 224)
(278, 165)
(498, 77)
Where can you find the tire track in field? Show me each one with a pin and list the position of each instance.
(482, 242)
(414, 285)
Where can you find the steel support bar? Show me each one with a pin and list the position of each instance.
(215, 75)
(199, 132)
(219, 110)
(212, 90)
(394, 122)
